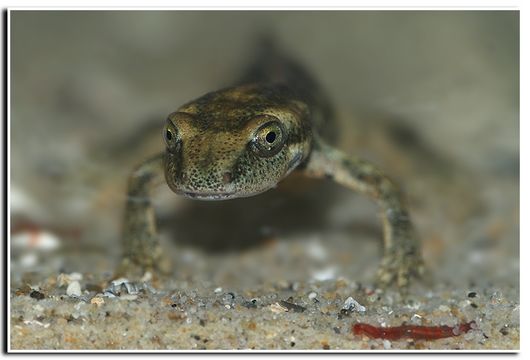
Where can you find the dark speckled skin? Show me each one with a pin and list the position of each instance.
(212, 154)
(215, 159)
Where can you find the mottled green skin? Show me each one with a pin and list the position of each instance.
(211, 156)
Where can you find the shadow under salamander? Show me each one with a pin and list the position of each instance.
(297, 206)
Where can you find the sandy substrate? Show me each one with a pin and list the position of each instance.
(431, 98)
(233, 300)
(190, 314)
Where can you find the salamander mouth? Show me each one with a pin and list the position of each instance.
(209, 196)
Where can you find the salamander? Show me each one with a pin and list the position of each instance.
(243, 140)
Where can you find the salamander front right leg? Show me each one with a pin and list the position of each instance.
(141, 248)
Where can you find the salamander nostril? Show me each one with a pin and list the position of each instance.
(227, 177)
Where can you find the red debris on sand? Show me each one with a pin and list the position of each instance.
(35, 229)
(411, 331)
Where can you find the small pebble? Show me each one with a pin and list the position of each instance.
(228, 298)
(387, 344)
(291, 306)
(74, 289)
(416, 319)
(277, 308)
(328, 273)
(66, 279)
(351, 305)
(124, 286)
(97, 301)
(35, 294)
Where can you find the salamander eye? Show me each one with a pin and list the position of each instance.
(171, 137)
(269, 138)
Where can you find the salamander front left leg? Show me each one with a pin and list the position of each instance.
(402, 259)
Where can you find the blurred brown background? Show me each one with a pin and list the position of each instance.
(88, 85)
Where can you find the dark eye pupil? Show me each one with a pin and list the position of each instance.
(169, 135)
(271, 136)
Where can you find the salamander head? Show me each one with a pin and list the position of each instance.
(235, 142)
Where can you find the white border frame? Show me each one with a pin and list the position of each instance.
(333, 5)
